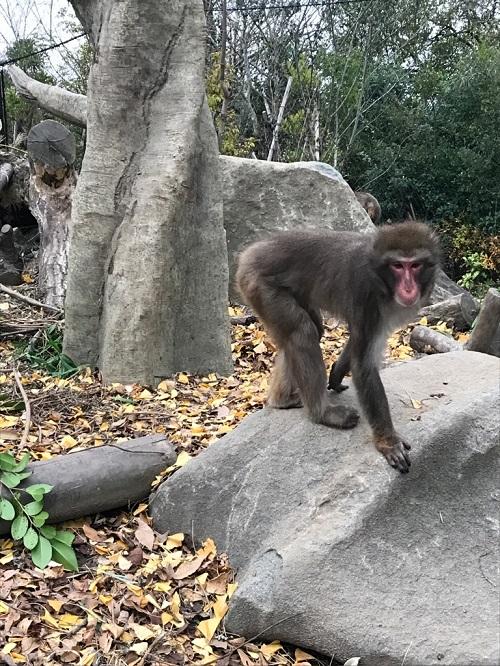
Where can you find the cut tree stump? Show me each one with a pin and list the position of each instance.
(51, 147)
(459, 310)
(99, 479)
(485, 332)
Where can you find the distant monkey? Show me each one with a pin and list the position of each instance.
(371, 205)
(375, 282)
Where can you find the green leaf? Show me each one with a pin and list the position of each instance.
(7, 511)
(64, 554)
(38, 490)
(23, 475)
(19, 527)
(7, 462)
(30, 539)
(48, 531)
(10, 479)
(42, 553)
(33, 508)
(21, 465)
(39, 519)
(64, 536)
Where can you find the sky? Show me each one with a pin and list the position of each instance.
(43, 18)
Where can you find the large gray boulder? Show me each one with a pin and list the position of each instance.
(263, 197)
(336, 551)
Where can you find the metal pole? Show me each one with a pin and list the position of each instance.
(3, 108)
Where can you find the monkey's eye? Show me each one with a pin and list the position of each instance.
(398, 266)
(416, 265)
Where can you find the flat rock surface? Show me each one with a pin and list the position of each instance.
(338, 552)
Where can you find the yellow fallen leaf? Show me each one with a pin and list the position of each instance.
(3, 608)
(271, 648)
(55, 604)
(260, 348)
(207, 628)
(8, 421)
(417, 404)
(207, 549)
(220, 607)
(166, 618)
(145, 395)
(18, 658)
(139, 648)
(68, 442)
(231, 589)
(162, 586)
(183, 379)
(174, 541)
(68, 620)
(300, 655)
(142, 633)
(8, 647)
(49, 619)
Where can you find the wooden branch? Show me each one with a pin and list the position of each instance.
(27, 410)
(101, 478)
(279, 119)
(6, 171)
(243, 321)
(423, 339)
(62, 103)
(460, 311)
(487, 324)
(27, 299)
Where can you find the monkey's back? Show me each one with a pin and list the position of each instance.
(309, 264)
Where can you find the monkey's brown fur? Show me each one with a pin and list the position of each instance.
(289, 278)
(371, 205)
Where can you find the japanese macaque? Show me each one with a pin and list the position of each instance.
(371, 205)
(375, 282)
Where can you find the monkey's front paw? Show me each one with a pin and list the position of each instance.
(340, 416)
(394, 449)
(338, 388)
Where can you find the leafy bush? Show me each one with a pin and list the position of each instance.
(45, 353)
(28, 519)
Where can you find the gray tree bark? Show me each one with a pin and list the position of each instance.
(148, 275)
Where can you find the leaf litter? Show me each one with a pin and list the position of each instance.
(139, 597)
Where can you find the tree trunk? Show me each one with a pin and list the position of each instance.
(486, 331)
(51, 147)
(148, 275)
(99, 479)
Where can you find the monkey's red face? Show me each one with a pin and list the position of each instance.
(406, 274)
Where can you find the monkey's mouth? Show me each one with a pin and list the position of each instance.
(406, 300)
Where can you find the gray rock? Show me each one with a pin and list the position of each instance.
(336, 551)
(263, 197)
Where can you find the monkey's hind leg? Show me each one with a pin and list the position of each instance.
(283, 394)
(309, 372)
(339, 370)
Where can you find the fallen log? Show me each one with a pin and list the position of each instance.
(426, 340)
(459, 310)
(486, 329)
(99, 479)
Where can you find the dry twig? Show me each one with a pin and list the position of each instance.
(27, 408)
(27, 299)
